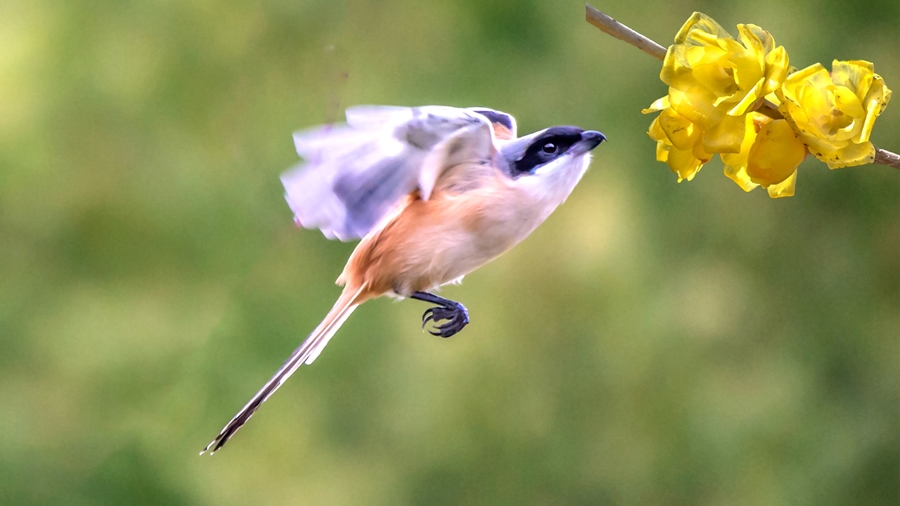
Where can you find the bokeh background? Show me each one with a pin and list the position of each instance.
(652, 343)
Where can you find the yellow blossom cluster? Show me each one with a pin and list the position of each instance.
(834, 113)
(716, 83)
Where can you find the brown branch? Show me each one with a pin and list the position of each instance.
(618, 30)
(623, 33)
(884, 157)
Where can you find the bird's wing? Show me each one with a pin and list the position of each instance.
(354, 174)
(504, 124)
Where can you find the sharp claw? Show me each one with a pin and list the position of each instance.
(427, 316)
(453, 326)
(455, 318)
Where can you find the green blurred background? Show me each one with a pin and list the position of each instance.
(652, 343)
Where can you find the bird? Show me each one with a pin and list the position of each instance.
(432, 193)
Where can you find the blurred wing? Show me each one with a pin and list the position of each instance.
(504, 125)
(355, 174)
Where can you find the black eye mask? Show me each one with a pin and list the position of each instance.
(549, 146)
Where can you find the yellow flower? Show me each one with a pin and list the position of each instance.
(834, 114)
(714, 79)
(679, 142)
(769, 157)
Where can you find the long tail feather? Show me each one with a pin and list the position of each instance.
(306, 353)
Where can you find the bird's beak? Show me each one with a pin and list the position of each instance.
(590, 139)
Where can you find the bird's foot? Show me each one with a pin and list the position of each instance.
(456, 315)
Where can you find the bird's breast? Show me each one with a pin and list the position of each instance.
(431, 243)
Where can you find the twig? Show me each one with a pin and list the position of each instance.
(623, 33)
(884, 157)
(618, 30)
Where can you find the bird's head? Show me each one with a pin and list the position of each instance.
(559, 148)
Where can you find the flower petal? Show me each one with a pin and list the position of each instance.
(679, 130)
(700, 153)
(749, 100)
(738, 174)
(784, 188)
(658, 105)
(726, 136)
(850, 155)
(815, 76)
(662, 151)
(697, 106)
(656, 133)
(749, 60)
(684, 164)
(777, 62)
(703, 23)
(856, 75)
(874, 102)
(775, 154)
(736, 163)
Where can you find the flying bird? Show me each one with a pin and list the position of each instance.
(433, 193)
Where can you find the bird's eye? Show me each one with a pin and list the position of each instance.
(549, 148)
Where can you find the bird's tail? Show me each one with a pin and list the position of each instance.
(305, 354)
